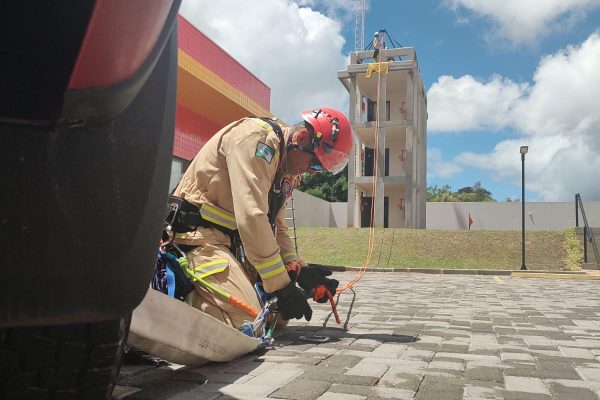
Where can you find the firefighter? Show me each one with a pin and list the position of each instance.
(238, 183)
(376, 45)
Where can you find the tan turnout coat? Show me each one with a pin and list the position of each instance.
(230, 180)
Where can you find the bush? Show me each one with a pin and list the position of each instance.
(574, 249)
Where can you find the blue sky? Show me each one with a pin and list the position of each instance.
(498, 74)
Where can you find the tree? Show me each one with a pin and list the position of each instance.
(326, 186)
(475, 193)
(440, 193)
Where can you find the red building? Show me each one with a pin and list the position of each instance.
(213, 89)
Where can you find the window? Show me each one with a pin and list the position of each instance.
(365, 211)
(372, 110)
(369, 164)
(178, 167)
(387, 110)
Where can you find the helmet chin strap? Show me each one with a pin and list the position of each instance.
(290, 145)
(300, 133)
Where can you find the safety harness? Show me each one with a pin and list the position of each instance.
(276, 197)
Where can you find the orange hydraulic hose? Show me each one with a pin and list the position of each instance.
(248, 309)
(319, 292)
(231, 299)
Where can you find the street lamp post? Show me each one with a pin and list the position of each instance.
(523, 151)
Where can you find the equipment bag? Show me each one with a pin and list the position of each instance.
(169, 277)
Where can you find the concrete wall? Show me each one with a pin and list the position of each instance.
(397, 205)
(539, 216)
(311, 211)
(339, 215)
(397, 164)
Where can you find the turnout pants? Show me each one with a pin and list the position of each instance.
(218, 266)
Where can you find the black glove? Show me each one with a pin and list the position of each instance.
(292, 303)
(311, 277)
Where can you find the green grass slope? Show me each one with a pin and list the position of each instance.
(422, 248)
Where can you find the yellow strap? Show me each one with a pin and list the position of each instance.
(382, 68)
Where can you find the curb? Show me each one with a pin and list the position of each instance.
(442, 271)
(556, 276)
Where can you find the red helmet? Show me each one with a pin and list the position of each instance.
(332, 137)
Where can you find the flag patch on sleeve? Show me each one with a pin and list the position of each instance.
(264, 151)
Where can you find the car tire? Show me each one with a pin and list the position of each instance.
(79, 361)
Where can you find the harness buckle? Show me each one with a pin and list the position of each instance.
(174, 209)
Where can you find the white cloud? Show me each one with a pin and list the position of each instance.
(336, 9)
(296, 51)
(468, 104)
(438, 168)
(556, 167)
(505, 160)
(557, 115)
(523, 21)
(564, 97)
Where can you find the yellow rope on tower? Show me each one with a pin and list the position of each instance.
(381, 68)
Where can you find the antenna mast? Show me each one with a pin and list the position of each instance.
(359, 25)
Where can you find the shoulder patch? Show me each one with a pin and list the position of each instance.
(264, 151)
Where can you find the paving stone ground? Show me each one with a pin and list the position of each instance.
(414, 336)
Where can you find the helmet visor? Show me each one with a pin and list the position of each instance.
(333, 161)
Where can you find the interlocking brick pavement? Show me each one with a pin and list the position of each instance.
(414, 336)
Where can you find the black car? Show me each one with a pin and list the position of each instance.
(87, 110)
